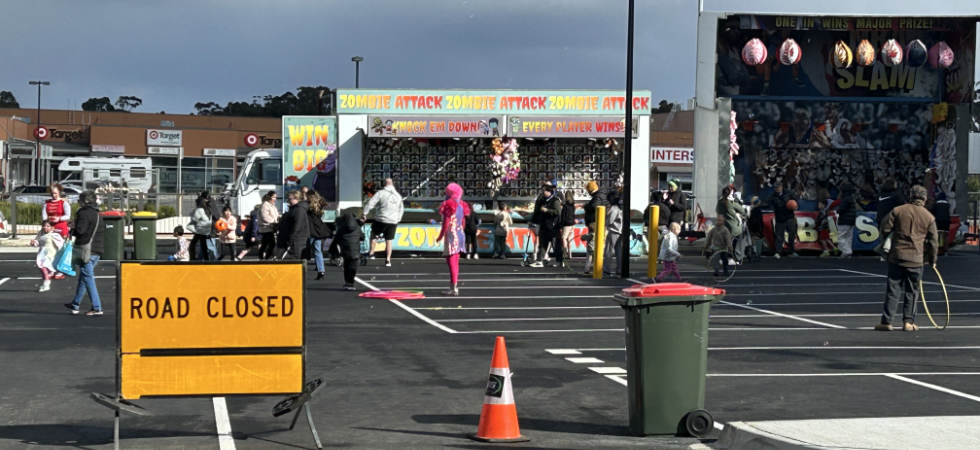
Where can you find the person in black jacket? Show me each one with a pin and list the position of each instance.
(785, 220)
(318, 230)
(348, 234)
(940, 210)
(88, 232)
(598, 199)
(548, 224)
(677, 202)
(890, 199)
(567, 227)
(294, 228)
(846, 218)
(755, 225)
(215, 208)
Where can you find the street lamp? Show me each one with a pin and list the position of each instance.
(357, 71)
(37, 140)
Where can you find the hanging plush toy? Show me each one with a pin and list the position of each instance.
(940, 56)
(916, 54)
(754, 52)
(842, 55)
(891, 53)
(865, 53)
(789, 52)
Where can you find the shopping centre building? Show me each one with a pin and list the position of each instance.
(189, 153)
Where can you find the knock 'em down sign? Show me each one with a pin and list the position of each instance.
(210, 329)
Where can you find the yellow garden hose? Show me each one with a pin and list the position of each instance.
(925, 306)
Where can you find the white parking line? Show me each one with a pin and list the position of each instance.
(969, 288)
(823, 293)
(622, 330)
(410, 310)
(788, 316)
(472, 280)
(460, 308)
(585, 360)
(835, 303)
(521, 297)
(530, 319)
(621, 379)
(563, 351)
(760, 316)
(409, 285)
(578, 351)
(838, 374)
(610, 370)
(225, 440)
(934, 387)
(4, 280)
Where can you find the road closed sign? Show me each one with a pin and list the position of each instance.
(210, 329)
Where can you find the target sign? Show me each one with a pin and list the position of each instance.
(251, 139)
(41, 133)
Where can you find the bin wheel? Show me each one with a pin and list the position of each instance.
(698, 423)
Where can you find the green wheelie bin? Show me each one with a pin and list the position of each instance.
(666, 357)
(115, 230)
(145, 235)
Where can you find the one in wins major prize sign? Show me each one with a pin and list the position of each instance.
(309, 154)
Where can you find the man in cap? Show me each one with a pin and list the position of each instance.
(676, 201)
(913, 236)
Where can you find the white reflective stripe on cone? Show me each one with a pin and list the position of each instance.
(501, 394)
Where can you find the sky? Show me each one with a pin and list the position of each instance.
(173, 54)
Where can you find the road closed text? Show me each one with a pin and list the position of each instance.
(215, 307)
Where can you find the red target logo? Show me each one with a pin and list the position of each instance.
(154, 134)
(251, 139)
(41, 133)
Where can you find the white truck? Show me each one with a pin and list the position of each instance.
(260, 173)
(94, 172)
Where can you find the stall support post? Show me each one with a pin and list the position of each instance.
(653, 236)
(600, 242)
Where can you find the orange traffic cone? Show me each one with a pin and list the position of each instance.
(498, 418)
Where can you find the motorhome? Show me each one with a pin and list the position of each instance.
(135, 174)
(260, 173)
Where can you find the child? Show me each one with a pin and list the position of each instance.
(501, 227)
(251, 234)
(472, 226)
(719, 239)
(183, 246)
(48, 241)
(349, 236)
(227, 236)
(669, 253)
(823, 229)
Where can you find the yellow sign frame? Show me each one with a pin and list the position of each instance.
(260, 338)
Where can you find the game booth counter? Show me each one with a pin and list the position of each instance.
(866, 236)
(812, 102)
(499, 145)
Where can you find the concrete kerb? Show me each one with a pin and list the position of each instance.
(740, 435)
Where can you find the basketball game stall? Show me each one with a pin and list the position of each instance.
(500, 146)
(812, 102)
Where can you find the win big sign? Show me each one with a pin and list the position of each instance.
(210, 329)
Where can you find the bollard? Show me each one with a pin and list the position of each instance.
(600, 242)
(13, 216)
(653, 235)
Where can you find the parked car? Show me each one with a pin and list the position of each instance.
(39, 194)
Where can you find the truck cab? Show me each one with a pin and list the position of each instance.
(260, 173)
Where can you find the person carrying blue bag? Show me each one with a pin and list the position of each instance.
(49, 245)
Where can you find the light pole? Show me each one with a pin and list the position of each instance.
(37, 140)
(357, 71)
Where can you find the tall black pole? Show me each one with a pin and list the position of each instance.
(37, 140)
(357, 74)
(627, 150)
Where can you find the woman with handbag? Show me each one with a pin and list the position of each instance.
(88, 234)
(200, 225)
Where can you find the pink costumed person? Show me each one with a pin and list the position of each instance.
(453, 211)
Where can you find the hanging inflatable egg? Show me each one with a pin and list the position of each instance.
(789, 52)
(891, 53)
(916, 54)
(865, 53)
(754, 52)
(940, 56)
(842, 55)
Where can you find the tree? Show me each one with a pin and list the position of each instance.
(308, 100)
(663, 107)
(208, 109)
(128, 103)
(102, 104)
(7, 100)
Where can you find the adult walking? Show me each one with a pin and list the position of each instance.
(453, 214)
(846, 219)
(88, 233)
(268, 221)
(598, 199)
(567, 227)
(57, 210)
(785, 220)
(914, 242)
(216, 210)
(319, 231)
(386, 208)
(348, 237)
(549, 220)
(676, 201)
(731, 213)
(201, 226)
(294, 229)
(614, 232)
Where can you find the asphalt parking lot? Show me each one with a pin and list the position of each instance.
(790, 344)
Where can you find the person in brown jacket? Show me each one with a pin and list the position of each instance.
(913, 236)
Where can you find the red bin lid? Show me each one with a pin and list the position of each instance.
(670, 290)
(113, 213)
